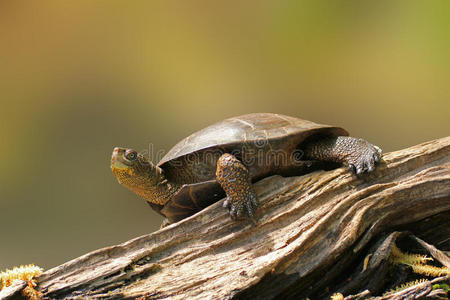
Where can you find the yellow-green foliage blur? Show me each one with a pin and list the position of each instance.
(80, 77)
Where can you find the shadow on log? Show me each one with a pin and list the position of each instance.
(312, 234)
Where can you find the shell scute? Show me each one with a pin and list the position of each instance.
(247, 129)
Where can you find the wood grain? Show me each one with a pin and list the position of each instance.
(306, 227)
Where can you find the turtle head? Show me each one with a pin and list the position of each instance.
(134, 171)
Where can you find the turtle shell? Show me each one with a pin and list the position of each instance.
(255, 128)
(192, 162)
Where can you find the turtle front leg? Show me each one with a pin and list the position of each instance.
(358, 154)
(234, 178)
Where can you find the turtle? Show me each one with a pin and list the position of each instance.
(223, 160)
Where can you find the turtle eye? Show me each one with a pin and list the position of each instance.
(131, 155)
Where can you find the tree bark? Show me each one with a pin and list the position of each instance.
(312, 233)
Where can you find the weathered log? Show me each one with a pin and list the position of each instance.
(310, 229)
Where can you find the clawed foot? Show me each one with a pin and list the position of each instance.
(242, 206)
(234, 178)
(365, 158)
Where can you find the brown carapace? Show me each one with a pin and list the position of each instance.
(226, 158)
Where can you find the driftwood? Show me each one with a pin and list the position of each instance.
(313, 234)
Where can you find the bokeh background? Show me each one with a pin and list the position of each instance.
(80, 77)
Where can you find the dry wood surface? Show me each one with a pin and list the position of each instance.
(312, 234)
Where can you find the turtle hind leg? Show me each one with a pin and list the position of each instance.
(358, 154)
(234, 178)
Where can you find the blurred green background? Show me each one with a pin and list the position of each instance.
(80, 77)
